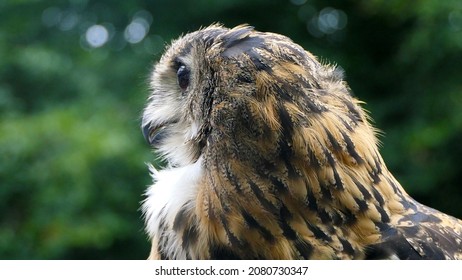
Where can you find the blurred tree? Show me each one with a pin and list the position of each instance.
(73, 83)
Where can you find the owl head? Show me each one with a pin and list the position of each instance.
(242, 87)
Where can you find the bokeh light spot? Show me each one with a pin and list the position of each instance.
(136, 30)
(69, 21)
(51, 16)
(97, 36)
(327, 22)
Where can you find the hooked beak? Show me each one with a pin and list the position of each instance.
(147, 132)
(153, 134)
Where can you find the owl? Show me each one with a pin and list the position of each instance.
(269, 156)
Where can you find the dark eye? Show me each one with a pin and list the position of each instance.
(183, 77)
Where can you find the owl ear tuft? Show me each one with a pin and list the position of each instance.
(238, 41)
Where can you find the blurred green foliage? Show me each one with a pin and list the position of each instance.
(73, 81)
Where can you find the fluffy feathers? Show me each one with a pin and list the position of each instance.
(270, 157)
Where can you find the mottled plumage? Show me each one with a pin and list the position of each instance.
(270, 157)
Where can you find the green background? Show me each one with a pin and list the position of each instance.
(72, 156)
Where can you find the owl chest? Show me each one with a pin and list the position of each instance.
(168, 202)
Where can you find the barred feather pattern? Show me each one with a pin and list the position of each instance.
(271, 157)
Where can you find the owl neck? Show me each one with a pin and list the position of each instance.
(318, 181)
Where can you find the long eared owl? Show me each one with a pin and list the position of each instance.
(270, 157)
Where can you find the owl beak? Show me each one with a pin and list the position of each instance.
(153, 134)
(147, 132)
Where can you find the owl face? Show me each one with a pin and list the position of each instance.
(175, 118)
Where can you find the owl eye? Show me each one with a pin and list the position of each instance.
(183, 77)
